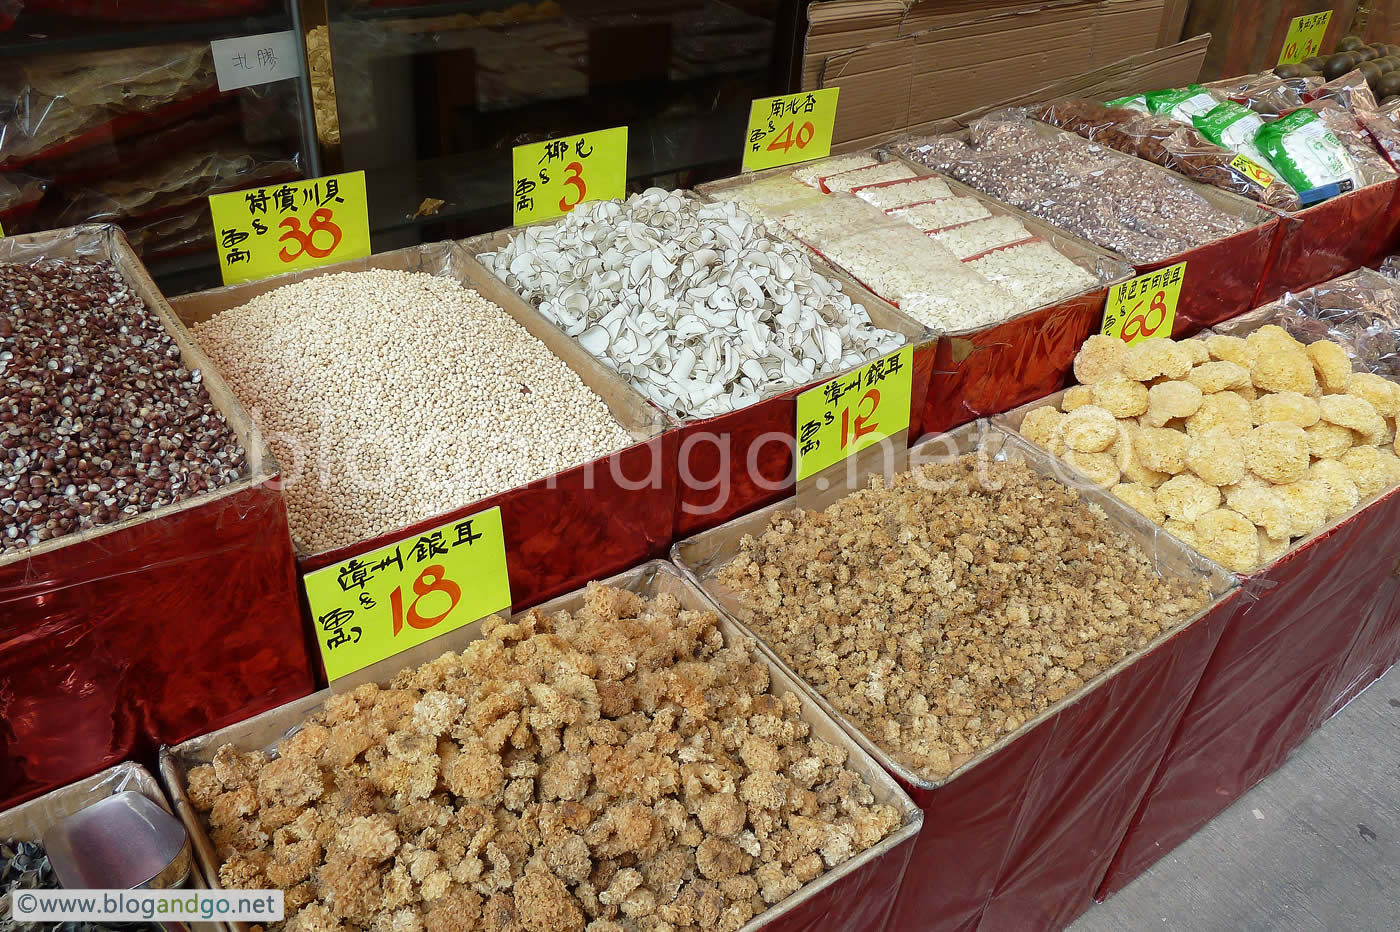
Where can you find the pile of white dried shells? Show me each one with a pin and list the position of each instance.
(698, 305)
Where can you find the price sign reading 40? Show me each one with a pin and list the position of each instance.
(854, 411)
(286, 227)
(552, 178)
(1304, 37)
(373, 606)
(1144, 307)
(790, 129)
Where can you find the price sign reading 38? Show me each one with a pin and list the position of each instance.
(378, 604)
(1144, 307)
(790, 129)
(286, 227)
(1304, 37)
(552, 178)
(854, 411)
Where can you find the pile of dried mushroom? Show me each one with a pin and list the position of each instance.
(619, 770)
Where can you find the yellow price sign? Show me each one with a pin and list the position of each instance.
(1252, 170)
(790, 129)
(1144, 307)
(1304, 38)
(854, 411)
(281, 228)
(373, 606)
(552, 178)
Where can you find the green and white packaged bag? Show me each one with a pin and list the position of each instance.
(1232, 126)
(1134, 102)
(1182, 103)
(1308, 155)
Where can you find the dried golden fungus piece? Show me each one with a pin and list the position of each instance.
(1371, 468)
(1277, 452)
(1200, 353)
(1099, 357)
(1153, 359)
(1186, 497)
(1229, 410)
(1329, 441)
(1284, 371)
(1182, 530)
(1355, 413)
(1307, 506)
(1287, 408)
(1142, 499)
(1041, 425)
(1089, 429)
(1271, 338)
(1271, 548)
(1217, 457)
(1162, 450)
(1120, 396)
(1076, 396)
(1099, 468)
(1212, 377)
(1228, 539)
(1335, 478)
(1231, 349)
(1383, 394)
(1168, 400)
(1332, 365)
(1262, 506)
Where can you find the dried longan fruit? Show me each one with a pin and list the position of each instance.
(1142, 499)
(1277, 452)
(1076, 396)
(1211, 377)
(1284, 371)
(1099, 468)
(1197, 349)
(1162, 450)
(1331, 363)
(1089, 429)
(1153, 359)
(1329, 441)
(1186, 497)
(1286, 408)
(1342, 493)
(1099, 357)
(1383, 394)
(1307, 506)
(1271, 548)
(1170, 400)
(1040, 425)
(1232, 349)
(1120, 396)
(1262, 506)
(1271, 338)
(1355, 413)
(1222, 409)
(1184, 531)
(1229, 539)
(1217, 457)
(1371, 468)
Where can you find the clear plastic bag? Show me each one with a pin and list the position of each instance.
(1359, 310)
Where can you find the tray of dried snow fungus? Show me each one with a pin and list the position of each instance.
(484, 405)
(621, 757)
(142, 532)
(717, 320)
(1011, 297)
(963, 662)
(1271, 449)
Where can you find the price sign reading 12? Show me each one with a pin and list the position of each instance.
(1144, 307)
(552, 178)
(854, 411)
(286, 227)
(375, 605)
(790, 129)
(1304, 37)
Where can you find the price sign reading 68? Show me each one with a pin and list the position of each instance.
(286, 227)
(378, 604)
(840, 418)
(1144, 307)
(790, 129)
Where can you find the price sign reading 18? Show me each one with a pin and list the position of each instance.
(790, 129)
(1144, 307)
(375, 605)
(552, 178)
(1304, 37)
(286, 227)
(854, 411)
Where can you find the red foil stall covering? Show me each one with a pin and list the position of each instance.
(1021, 838)
(122, 638)
(1328, 239)
(731, 464)
(1277, 673)
(580, 524)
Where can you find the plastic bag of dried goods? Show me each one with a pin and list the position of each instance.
(1181, 104)
(1136, 102)
(1308, 156)
(1233, 126)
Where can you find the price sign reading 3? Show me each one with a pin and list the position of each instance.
(1144, 307)
(853, 411)
(1304, 37)
(790, 129)
(552, 178)
(375, 605)
(286, 227)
